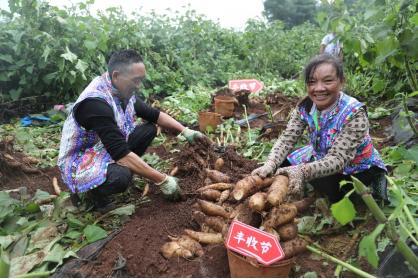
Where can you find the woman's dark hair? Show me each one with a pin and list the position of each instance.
(310, 70)
(120, 60)
(324, 59)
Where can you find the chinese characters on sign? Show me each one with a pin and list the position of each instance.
(252, 85)
(249, 241)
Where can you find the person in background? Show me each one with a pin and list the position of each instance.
(339, 142)
(101, 143)
(331, 45)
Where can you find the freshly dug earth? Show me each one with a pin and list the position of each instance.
(135, 250)
(140, 240)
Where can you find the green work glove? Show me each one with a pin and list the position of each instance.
(170, 188)
(192, 135)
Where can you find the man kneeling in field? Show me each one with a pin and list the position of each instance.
(101, 144)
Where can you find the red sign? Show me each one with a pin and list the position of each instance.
(249, 241)
(252, 85)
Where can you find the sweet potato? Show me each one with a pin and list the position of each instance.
(172, 248)
(216, 223)
(224, 196)
(304, 204)
(247, 186)
(210, 195)
(278, 190)
(206, 238)
(268, 181)
(258, 201)
(217, 186)
(287, 231)
(219, 163)
(174, 171)
(281, 215)
(293, 247)
(212, 209)
(190, 244)
(217, 176)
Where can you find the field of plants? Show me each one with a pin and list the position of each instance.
(49, 55)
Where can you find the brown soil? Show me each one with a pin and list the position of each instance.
(15, 172)
(141, 238)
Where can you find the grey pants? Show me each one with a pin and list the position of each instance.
(118, 177)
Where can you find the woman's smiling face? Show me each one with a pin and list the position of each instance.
(324, 86)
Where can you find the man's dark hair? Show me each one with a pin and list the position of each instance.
(120, 60)
(324, 59)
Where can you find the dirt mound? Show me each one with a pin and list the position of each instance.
(141, 238)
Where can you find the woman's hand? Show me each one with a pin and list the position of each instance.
(265, 170)
(296, 179)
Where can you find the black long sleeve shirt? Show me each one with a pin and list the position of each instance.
(97, 115)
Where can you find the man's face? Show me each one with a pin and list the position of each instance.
(324, 86)
(129, 81)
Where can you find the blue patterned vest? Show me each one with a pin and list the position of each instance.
(331, 124)
(82, 159)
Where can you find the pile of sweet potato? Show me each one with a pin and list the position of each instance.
(252, 200)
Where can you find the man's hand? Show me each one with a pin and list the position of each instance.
(296, 179)
(170, 188)
(265, 170)
(192, 135)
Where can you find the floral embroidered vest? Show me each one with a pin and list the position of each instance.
(331, 124)
(82, 159)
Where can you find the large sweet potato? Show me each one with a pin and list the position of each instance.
(258, 201)
(247, 186)
(217, 176)
(213, 209)
(293, 247)
(206, 238)
(278, 190)
(281, 215)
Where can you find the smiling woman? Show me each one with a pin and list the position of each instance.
(339, 141)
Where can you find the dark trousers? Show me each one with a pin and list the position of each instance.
(118, 177)
(330, 185)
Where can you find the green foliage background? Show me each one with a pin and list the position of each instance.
(46, 50)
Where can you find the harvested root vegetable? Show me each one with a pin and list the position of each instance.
(212, 209)
(174, 171)
(258, 201)
(288, 231)
(217, 186)
(304, 204)
(172, 248)
(211, 195)
(190, 244)
(278, 190)
(219, 163)
(206, 238)
(247, 186)
(30, 160)
(217, 176)
(268, 181)
(293, 247)
(216, 223)
(55, 185)
(281, 215)
(224, 196)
